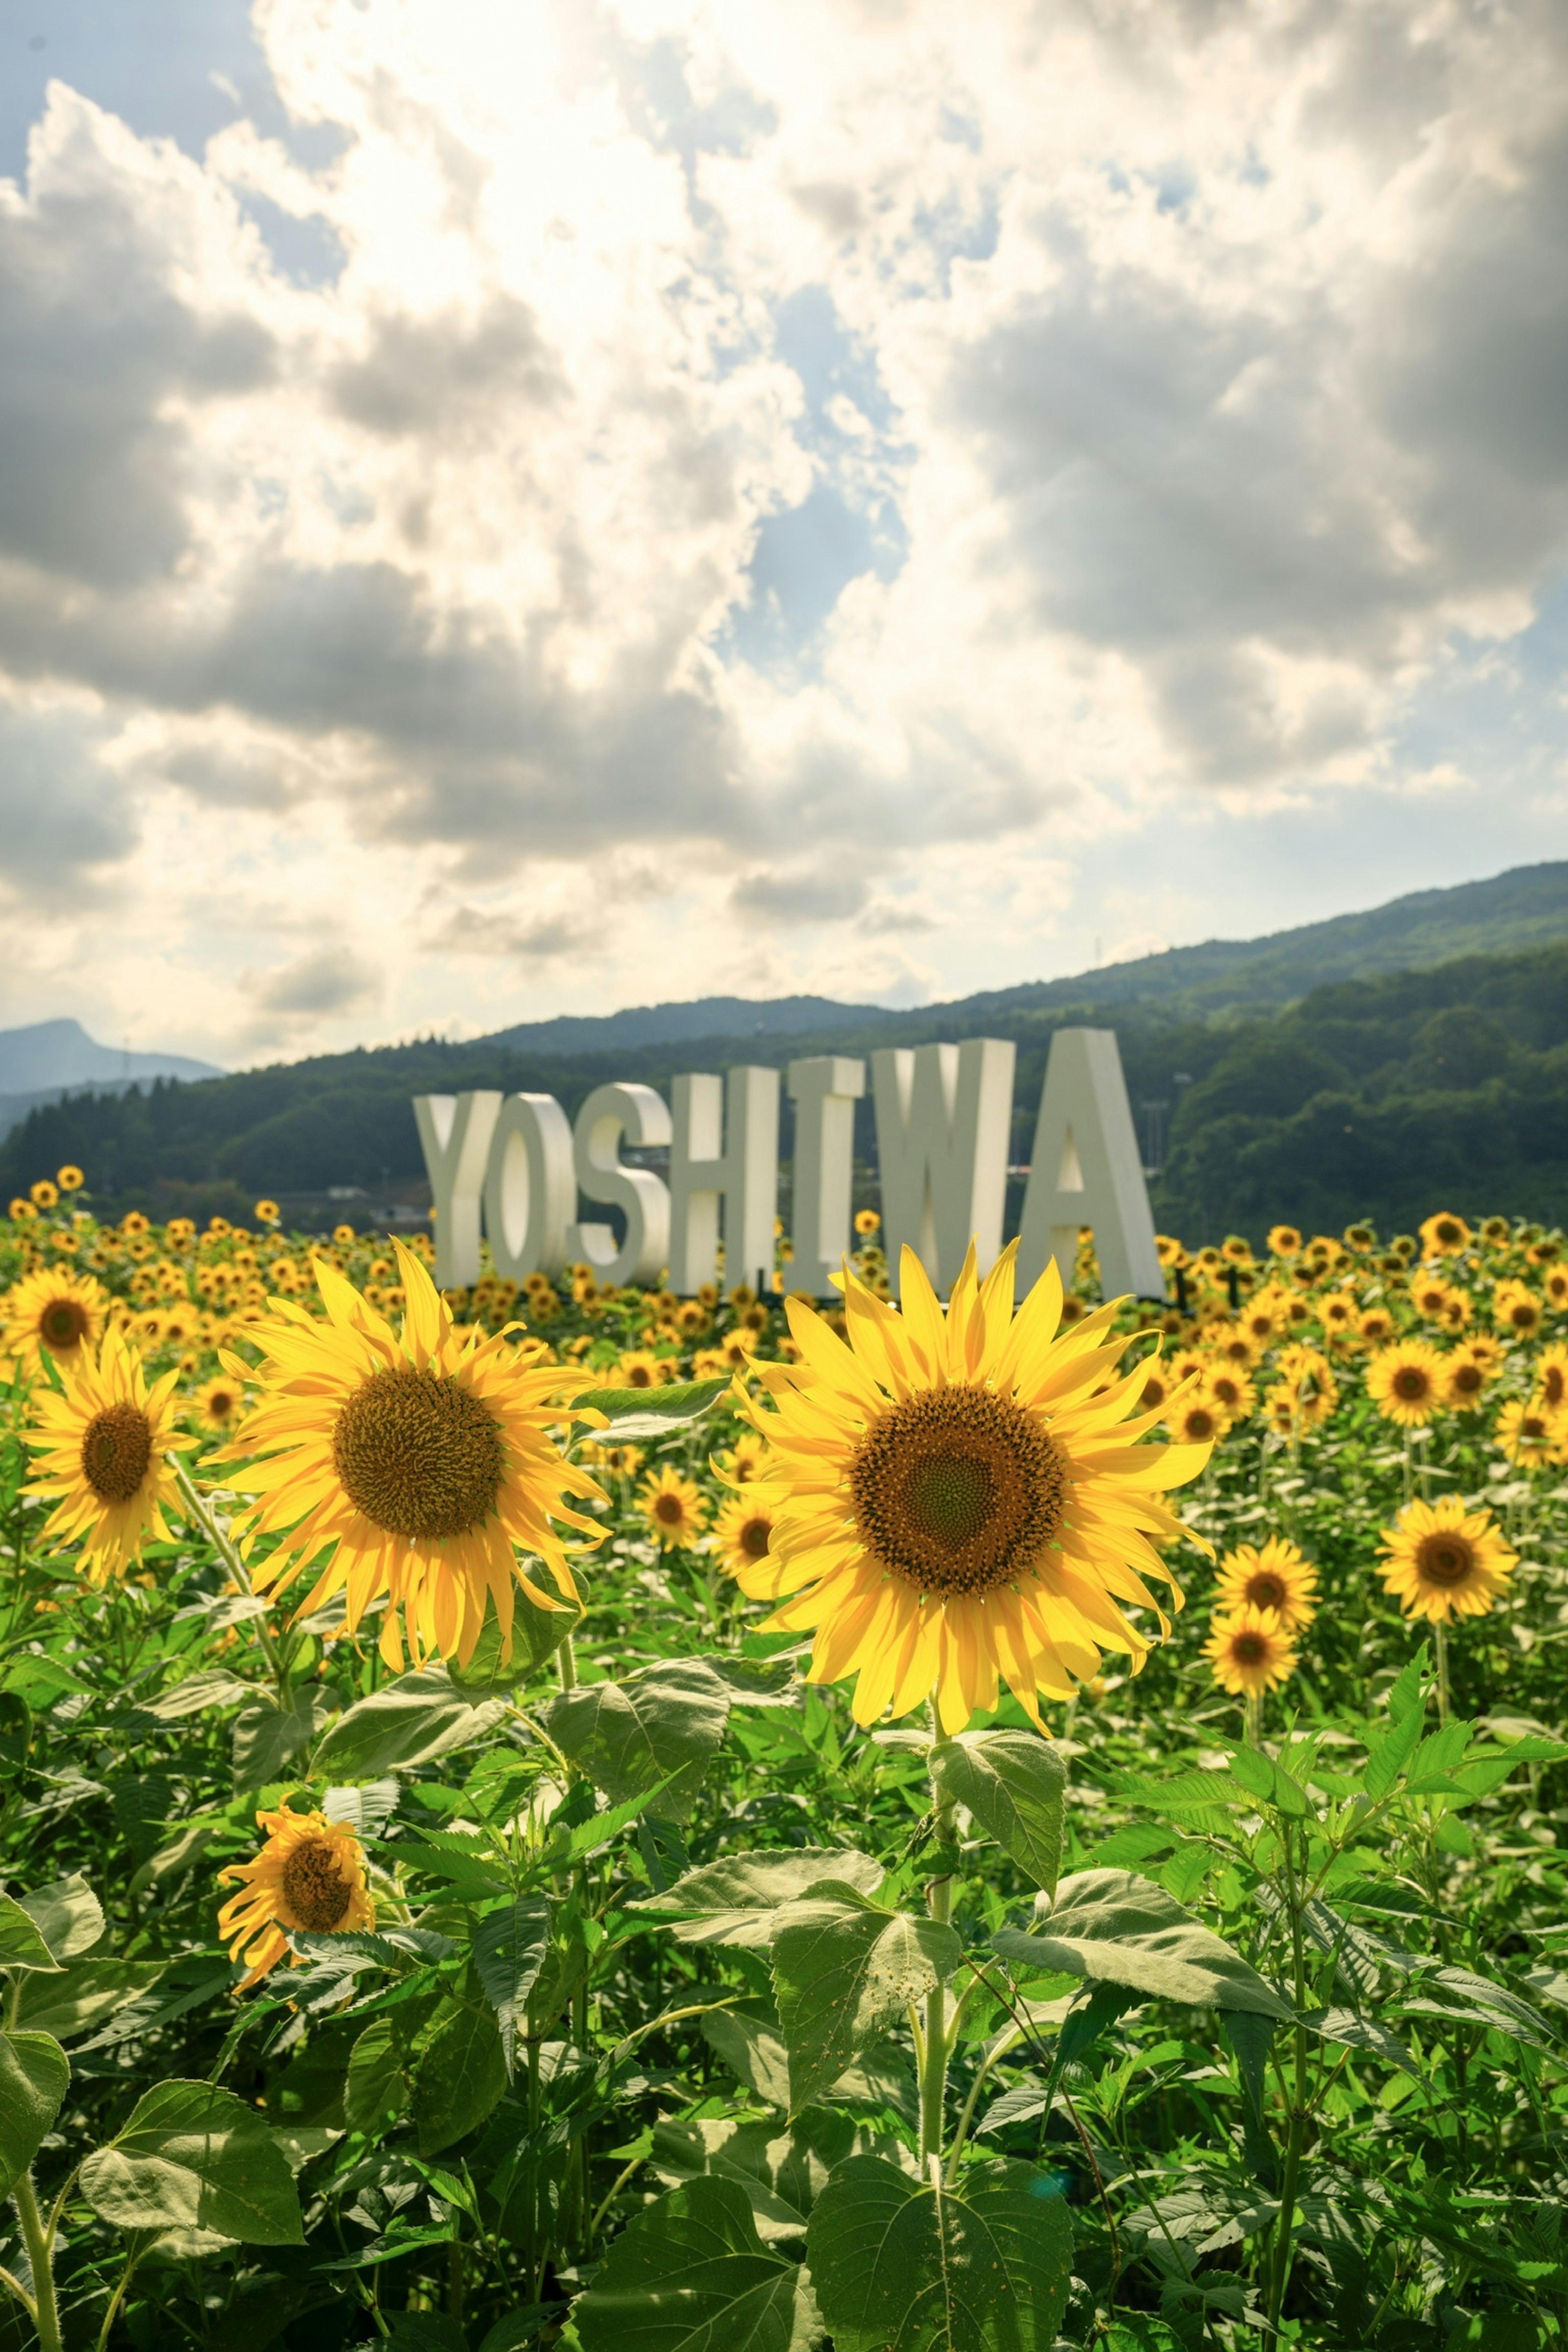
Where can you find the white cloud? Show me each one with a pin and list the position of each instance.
(736, 490)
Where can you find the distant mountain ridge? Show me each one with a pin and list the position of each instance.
(48, 1060)
(1525, 907)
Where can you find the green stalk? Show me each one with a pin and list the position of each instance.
(566, 1663)
(933, 2068)
(39, 2254)
(199, 1512)
(1442, 1649)
(1296, 2141)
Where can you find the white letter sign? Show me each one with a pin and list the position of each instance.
(942, 1117)
(455, 1133)
(1086, 1169)
(642, 1116)
(742, 1168)
(531, 1192)
(825, 1090)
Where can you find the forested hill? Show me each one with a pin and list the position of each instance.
(1378, 1098)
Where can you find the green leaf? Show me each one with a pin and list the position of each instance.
(1015, 1784)
(376, 2090)
(365, 1810)
(267, 1737)
(1387, 1757)
(509, 1951)
(183, 1851)
(21, 1945)
(908, 2266)
(407, 1722)
(33, 2074)
(459, 2075)
(662, 1724)
(217, 1688)
(842, 1969)
(782, 2173)
(690, 2274)
(1356, 2031)
(67, 1914)
(193, 2156)
(587, 1837)
(736, 1900)
(15, 1733)
(753, 2054)
(536, 1635)
(635, 1415)
(87, 1991)
(1118, 1928)
(1267, 1781)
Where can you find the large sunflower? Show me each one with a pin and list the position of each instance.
(963, 1498)
(103, 1441)
(58, 1309)
(1441, 1561)
(411, 1463)
(310, 1875)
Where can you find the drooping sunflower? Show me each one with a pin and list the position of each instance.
(103, 1442)
(744, 1529)
(960, 1499)
(1249, 1652)
(1444, 1236)
(310, 1875)
(1275, 1579)
(58, 1309)
(1442, 1561)
(1405, 1381)
(405, 1464)
(673, 1508)
(1306, 1377)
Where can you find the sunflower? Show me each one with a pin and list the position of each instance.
(1375, 1326)
(639, 1369)
(1197, 1420)
(1468, 1375)
(744, 1529)
(310, 1877)
(413, 1464)
(867, 1221)
(959, 1499)
(1307, 1378)
(1276, 1580)
(1361, 1238)
(1158, 1387)
(1405, 1382)
(1444, 1236)
(1552, 1376)
(1432, 1297)
(1441, 1561)
(1249, 1652)
(673, 1508)
(218, 1404)
(1232, 1391)
(1337, 1314)
(1262, 1316)
(44, 1194)
(58, 1309)
(1284, 1240)
(620, 1461)
(102, 1441)
(1532, 1434)
(1517, 1311)
(267, 1213)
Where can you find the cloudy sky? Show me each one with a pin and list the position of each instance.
(520, 506)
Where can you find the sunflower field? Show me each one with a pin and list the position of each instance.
(652, 1824)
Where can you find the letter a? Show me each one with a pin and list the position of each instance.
(1086, 1169)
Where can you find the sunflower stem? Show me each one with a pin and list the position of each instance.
(1441, 1631)
(1252, 1723)
(39, 2257)
(566, 1663)
(938, 1904)
(197, 1511)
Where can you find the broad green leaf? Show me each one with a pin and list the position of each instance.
(634, 1415)
(509, 1951)
(365, 1810)
(536, 1635)
(736, 1899)
(21, 1944)
(1113, 1925)
(266, 1737)
(407, 1722)
(842, 1969)
(908, 2266)
(183, 1851)
(83, 1994)
(690, 2274)
(216, 1687)
(33, 2074)
(782, 2173)
(1270, 1783)
(193, 2156)
(459, 2074)
(1458, 1994)
(376, 2091)
(67, 1914)
(1388, 1756)
(600, 1829)
(662, 1724)
(1356, 2031)
(1205, 1800)
(1015, 1784)
(756, 2056)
